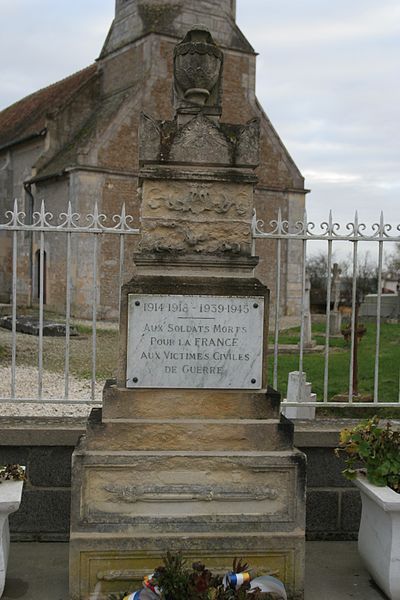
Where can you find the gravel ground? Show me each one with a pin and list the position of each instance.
(53, 373)
(53, 389)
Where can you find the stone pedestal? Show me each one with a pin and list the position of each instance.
(211, 473)
(189, 452)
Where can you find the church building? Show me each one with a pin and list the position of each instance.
(77, 141)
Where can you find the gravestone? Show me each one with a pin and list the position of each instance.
(189, 452)
(308, 342)
(299, 390)
(336, 315)
(32, 326)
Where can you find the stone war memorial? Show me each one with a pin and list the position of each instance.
(189, 452)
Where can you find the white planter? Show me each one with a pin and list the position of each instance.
(10, 499)
(379, 535)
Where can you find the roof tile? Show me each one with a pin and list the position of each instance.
(28, 116)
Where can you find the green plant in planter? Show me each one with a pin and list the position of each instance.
(373, 449)
(12, 473)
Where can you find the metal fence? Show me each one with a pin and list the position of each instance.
(43, 223)
(71, 224)
(379, 234)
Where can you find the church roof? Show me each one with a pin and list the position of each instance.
(98, 121)
(27, 117)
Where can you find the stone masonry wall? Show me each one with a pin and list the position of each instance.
(333, 504)
(15, 168)
(45, 508)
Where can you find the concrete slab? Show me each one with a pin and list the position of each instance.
(37, 572)
(333, 572)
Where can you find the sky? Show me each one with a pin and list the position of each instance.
(328, 76)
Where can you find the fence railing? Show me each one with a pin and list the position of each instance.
(43, 223)
(71, 224)
(331, 232)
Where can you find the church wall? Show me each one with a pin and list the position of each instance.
(118, 150)
(55, 194)
(19, 160)
(6, 182)
(122, 71)
(116, 191)
(273, 171)
(294, 250)
(136, 18)
(158, 77)
(267, 204)
(238, 87)
(84, 189)
(5, 237)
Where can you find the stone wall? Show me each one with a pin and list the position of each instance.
(15, 168)
(45, 508)
(333, 503)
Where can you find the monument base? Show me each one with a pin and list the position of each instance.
(213, 489)
(114, 564)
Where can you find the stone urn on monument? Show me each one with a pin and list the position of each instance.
(197, 67)
(189, 452)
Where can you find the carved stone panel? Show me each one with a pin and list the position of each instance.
(196, 238)
(197, 201)
(188, 492)
(201, 141)
(195, 217)
(112, 571)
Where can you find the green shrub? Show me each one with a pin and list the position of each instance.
(373, 448)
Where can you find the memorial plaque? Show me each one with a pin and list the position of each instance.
(195, 341)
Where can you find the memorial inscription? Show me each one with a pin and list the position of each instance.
(195, 341)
